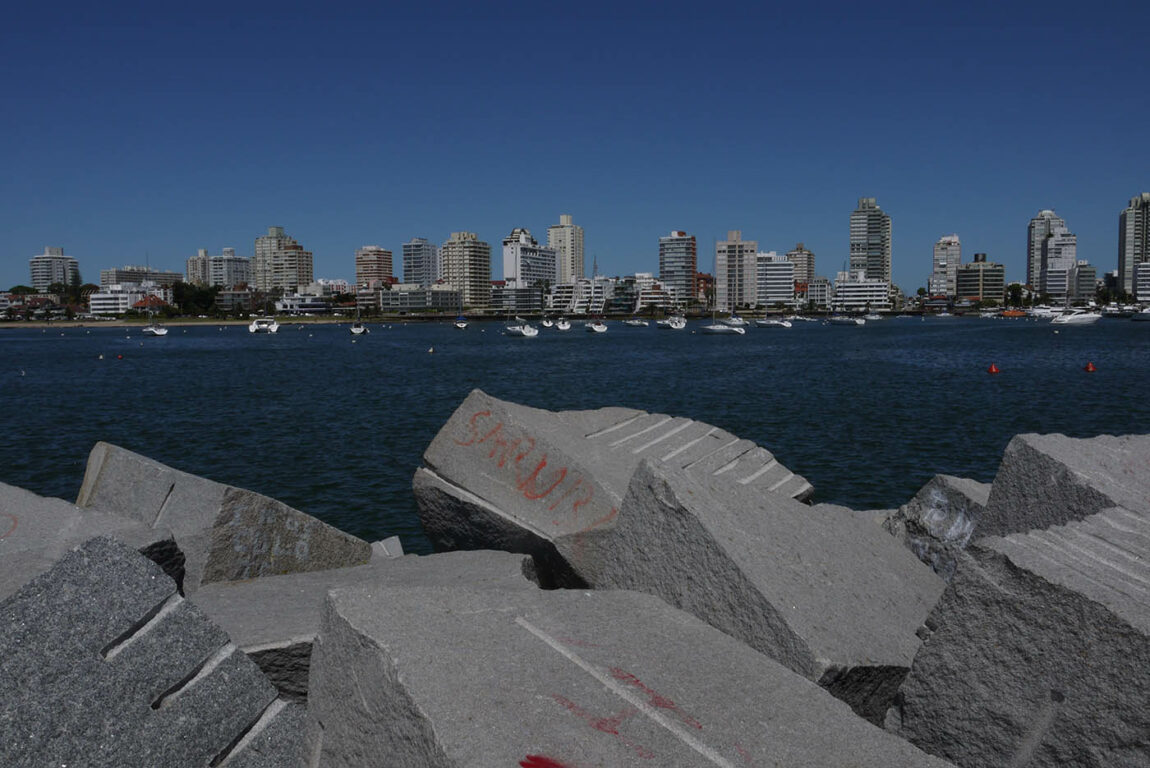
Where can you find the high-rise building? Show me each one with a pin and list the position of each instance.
(775, 276)
(1043, 224)
(421, 262)
(52, 266)
(804, 262)
(224, 270)
(526, 264)
(466, 263)
(196, 270)
(736, 276)
(1059, 257)
(870, 243)
(944, 272)
(1133, 240)
(678, 263)
(280, 263)
(980, 280)
(372, 265)
(566, 239)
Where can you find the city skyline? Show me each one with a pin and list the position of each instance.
(151, 136)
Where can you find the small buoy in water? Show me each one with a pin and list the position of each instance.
(354, 341)
(99, 357)
(1090, 367)
(119, 357)
(430, 350)
(992, 369)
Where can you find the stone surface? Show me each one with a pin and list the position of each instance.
(102, 663)
(225, 533)
(36, 531)
(1038, 654)
(274, 619)
(1047, 480)
(938, 522)
(563, 679)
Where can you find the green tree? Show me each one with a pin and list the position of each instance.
(22, 289)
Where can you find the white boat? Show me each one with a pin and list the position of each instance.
(672, 323)
(772, 322)
(264, 325)
(1144, 315)
(1077, 317)
(845, 320)
(720, 328)
(521, 328)
(358, 328)
(1043, 312)
(155, 329)
(461, 322)
(872, 316)
(801, 319)
(734, 321)
(595, 326)
(562, 324)
(636, 322)
(547, 322)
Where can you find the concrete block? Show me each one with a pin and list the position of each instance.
(563, 679)
(36, 531)
(1038, 653)
(390, 547)
(1047, 480)
(102, 663)
(225, 533)
(938, 522)
(275, 619)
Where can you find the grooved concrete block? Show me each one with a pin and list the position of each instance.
(36, 531)
(563, 679)
(938, 522)
(102, 663)
(1047, 480)
(274, 619)
(225, 533)
(1038, 653)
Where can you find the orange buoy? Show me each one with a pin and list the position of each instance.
(992, 369)
(1090, 368)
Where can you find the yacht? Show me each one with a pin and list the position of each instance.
(721, 328)
(358, 328)
(461, 322)
(772, 322)
(596, 326)
(637, 322)
(562, 324)
(547, 322)
(872, 316)
(845, 320)
(673, 323)
(155, 329)
(264, 325)
(734, 321)
(521, 328)
(1077, 317)
(1143, 315)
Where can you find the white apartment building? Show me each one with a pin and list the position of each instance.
(225, 269)
(526, 264)
(52, 266)
(1141, 287)
(1044, 224)
(118, 299)
(678, 264)
(944, 272)
(1133, 240)
(804, 261)
(870, 240)
(776, 279)
(736, 275)
(566, 239)
(280, 263)
(584, 296)
(820, 292)
(1059, 257)
(421, 264)
(466, 264)
(855, 292)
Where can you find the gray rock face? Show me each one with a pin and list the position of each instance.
(938, 522)
(36, 531)
(275, 619)
(1039, 650)
(456, 677)
(1047, 480)
(102, 663)
(225, 533)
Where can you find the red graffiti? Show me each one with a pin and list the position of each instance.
(608, 725)
(12, 527)
(539, 761)
(655, 699)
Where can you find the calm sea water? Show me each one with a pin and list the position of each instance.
(337, 428)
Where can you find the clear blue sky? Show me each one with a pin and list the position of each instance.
(133, 129)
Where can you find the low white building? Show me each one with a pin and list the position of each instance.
(1142, 281)
(414, 297)
(854, 292)
(585, 296)
(820, 292)
(118, 298)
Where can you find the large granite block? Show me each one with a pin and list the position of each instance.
(1039, 652)
(1047, 480)
(36, 531)
(275, 619)
(938, 522)
(102, 663)
(563, 679)
(225, 533)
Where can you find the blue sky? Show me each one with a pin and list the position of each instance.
(135, 129)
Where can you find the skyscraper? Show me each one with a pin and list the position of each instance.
(372, 265)
(870, 243)
(804, 262)
(736, 279)
(280, 263)
(466, 264)
(566, 238)
(944, 272)
(525, 263)
(421, 262)
(678, 264)
(1059, 258)
(52, 266)
(1043, 224)
(1133, 240)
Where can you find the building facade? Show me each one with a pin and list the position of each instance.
(566, 239)
(775, 276)
(870, 241)
(678, 264)
(139, 275)
(855, 292)
(280, 263)
(1044, 224)
(1133, 240)
(804, 262)
(1059, 257)
(373, 264)
(223, 270)
(421, 262)
(736, 274)
(526, 264)
(944, 270)
(980, 280)
(52, 266)
(466, 264)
